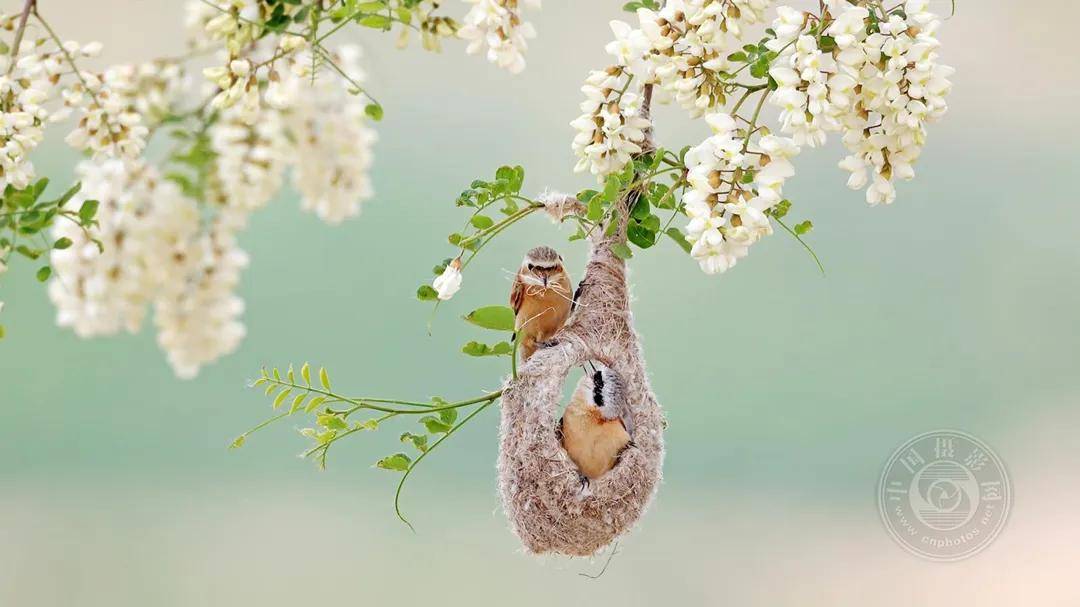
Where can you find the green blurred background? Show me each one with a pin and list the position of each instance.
(785, 391)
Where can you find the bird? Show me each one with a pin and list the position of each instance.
(597, 426)
(541, 298)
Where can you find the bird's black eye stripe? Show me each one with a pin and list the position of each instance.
(598, 389)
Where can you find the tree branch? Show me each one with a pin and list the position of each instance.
(29, 7)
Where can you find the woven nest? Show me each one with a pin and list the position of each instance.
(542, 493)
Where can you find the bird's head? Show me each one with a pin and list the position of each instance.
(542, 267)
(609, 395)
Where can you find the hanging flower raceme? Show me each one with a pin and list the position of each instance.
(690, 43)
(198, 313)
(855, 68)
(611, 128)
(250, 162)
(332, 138)
(142, 221)
(903, 88)
(497, 26)
(24, 88)
(733, 185)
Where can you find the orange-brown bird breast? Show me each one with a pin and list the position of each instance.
(540, 312)
(592, 442)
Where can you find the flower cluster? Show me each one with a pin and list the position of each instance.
(24, 88)
(875, 78)
(855, 68)
(496, 25)
(169, 234)
(903, 88)
(154, 252)
(47, 72)
(733, 185)
(688, 43)
(198, 314)
(333, 140)
(611, 128)
(147, 90)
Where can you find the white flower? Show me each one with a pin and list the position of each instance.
(197, 312)
(497, 25)
(333, 142)
(449, 282)
(689, 45)
(629, 48)
(611, 129)
(250, 164)
(102, 291)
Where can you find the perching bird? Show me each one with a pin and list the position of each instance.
(596, 426)
(541, 298)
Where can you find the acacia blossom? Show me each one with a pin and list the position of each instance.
(727, 214)
(690, 42)
(858, 69)
(611, 128)
(496, 25)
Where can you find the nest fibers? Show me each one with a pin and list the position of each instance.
(541, 487)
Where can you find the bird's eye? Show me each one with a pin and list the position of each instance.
(532, 267)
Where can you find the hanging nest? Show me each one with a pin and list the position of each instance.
(549, 507)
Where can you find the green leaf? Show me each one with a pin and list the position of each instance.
(281, 397)
(44, 273)
(780, 209)
(374, 111)
(640, 235)
(297, 403)
(87, 211)
(427, 293)
(331, 421)
(62, 243)
(398, 462)
(27, 252)
(475, 348)
(496, 318)
(435, 425)
(420, 441)
(679, 238)
(239, 442)
(68, 194)
(375, 21)
(3, 331)
(448, 416)
(482, 222)
(324, 378)
(804, 227)
(305, 372)
(612, 187)
(621, 250)
(314, 404)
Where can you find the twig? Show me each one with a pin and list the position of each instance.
(611, 555)
(29, 7)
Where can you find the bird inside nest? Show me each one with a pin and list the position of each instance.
(597, 426)
(541, 297)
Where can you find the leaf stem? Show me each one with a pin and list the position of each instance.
(803, 243)
(420, 458)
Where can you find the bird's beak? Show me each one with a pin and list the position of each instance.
(545, 281)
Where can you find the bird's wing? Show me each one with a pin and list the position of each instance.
(517, 295)
(577, 293)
